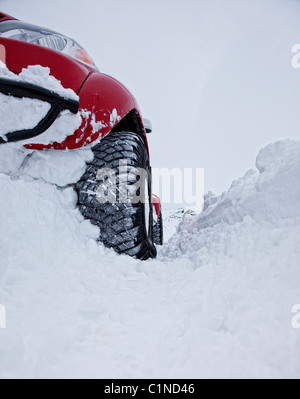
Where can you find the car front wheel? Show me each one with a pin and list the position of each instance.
(124, 213)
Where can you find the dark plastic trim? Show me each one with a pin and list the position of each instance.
(27, 90)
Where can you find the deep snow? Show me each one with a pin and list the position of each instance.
(216, 303)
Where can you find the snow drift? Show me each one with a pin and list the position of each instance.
(269, 193)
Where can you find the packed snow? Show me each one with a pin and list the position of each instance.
(28, 113)
(216, 303)
(114, 117)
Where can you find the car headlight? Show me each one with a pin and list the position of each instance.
(17, 30)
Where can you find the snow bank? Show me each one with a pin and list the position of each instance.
(216, 303)
(267, 194)
(245, 251)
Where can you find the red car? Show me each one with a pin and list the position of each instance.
(129, 227)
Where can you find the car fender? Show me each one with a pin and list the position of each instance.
(104, 102)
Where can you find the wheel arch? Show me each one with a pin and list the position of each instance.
(132, 122)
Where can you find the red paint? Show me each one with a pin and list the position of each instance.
(20, 55)
(5, 17)
(99, 95)
(157, 204)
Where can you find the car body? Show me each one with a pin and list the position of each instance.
(98, 93)
(104, 99)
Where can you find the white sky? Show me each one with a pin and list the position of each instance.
(215, 77)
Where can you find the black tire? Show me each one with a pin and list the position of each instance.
(123, 227)
(158, 231)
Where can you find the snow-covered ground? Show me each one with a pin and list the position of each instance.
(216, 303)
